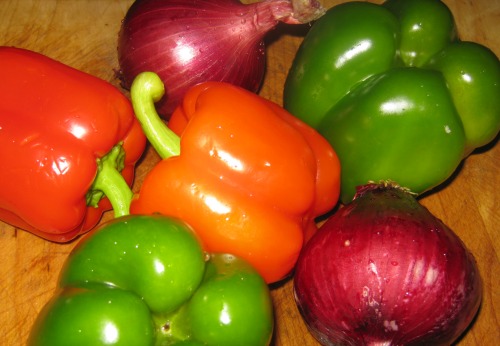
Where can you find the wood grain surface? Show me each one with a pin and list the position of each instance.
(83, 34)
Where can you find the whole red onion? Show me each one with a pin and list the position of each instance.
(384, 271)
(187, 42)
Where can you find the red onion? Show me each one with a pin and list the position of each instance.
(384, 271)
(187, 42)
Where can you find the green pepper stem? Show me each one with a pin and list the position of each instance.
(111, 183)
(147, 89)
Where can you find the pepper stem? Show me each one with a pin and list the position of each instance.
(147, 89)
(110, 183)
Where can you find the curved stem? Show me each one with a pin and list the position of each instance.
(111, 183)
(147, 88)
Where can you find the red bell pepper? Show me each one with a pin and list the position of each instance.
(245, 174)
(66, 138)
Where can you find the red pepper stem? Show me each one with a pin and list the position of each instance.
(147, 89)
(110, 183)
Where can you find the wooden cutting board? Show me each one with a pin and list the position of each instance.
(83, 33)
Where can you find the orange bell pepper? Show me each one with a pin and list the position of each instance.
(245, 174)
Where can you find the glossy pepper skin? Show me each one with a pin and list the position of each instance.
(145, 280)
(247, 175)
(395, 92)
(59, 127)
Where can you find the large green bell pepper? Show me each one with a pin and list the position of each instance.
(395, 92)
(145, 280)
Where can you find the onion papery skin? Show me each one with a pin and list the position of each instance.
(187, 42)
(384, 271)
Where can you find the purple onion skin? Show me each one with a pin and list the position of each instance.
(187, 42)
(384, 271)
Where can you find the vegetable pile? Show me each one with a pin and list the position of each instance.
(235, 202)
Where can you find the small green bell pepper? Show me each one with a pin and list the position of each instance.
(395, 92)
(145, 280)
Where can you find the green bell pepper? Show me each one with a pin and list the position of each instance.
(395, 92)
(145, 280)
